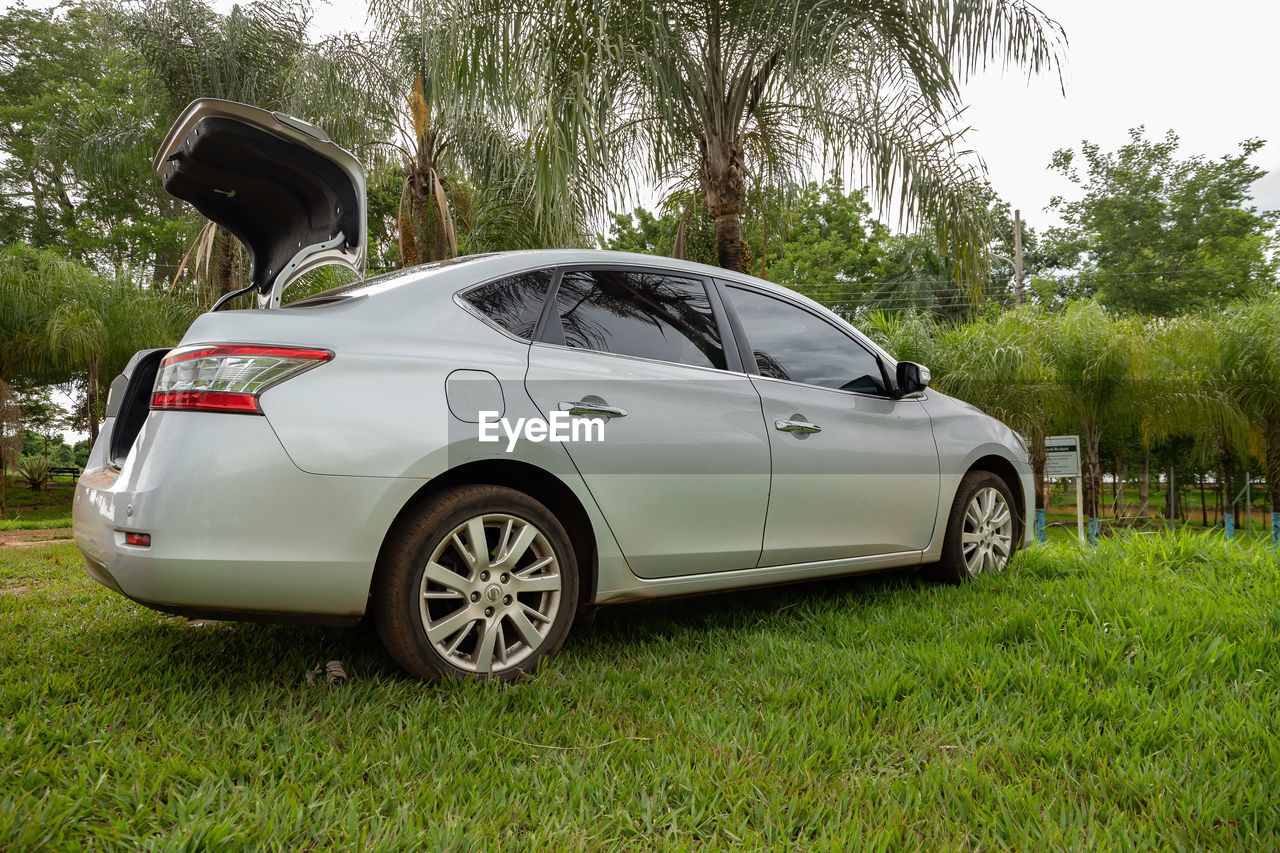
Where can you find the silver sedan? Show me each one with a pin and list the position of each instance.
(470, 453)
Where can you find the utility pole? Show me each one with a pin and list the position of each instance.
(1019, 291)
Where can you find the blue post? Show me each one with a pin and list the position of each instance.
(1040, 532)
(1093, 530)
(1229, 525)
(1275, 528)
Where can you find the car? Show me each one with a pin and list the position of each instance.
(471, 453)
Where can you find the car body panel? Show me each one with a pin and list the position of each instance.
(684, 475)
(965, 436)
(234, 524)
(866, 484)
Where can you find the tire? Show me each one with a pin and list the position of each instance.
(494, 614)
(982, 529)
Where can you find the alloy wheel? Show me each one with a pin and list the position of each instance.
(986, 540)
(490, 593)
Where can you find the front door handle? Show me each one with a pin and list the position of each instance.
(797, 426)
(585, 409)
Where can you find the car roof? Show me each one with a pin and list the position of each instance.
(446, 277)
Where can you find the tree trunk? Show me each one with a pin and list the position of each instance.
(721, 179)
(1122, 468)
(1227, 475)
(1204, 506)
(160, 272)
(1144, 484)
(1093, 470)
(1037, 470)
(224, 263)
(91, 399)
(729, 242)
(1273, 462)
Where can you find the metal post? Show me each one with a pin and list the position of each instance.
(1248, 500)
(1019, 288)
(1040, 527)
(1172, 500)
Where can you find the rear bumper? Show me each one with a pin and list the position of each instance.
(237, 530)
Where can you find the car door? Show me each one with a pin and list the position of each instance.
(855, 471)
(682, 470)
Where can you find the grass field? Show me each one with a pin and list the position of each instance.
(34, 510)
(1119, 697)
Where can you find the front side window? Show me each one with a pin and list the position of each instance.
(641, 314)
(793, 344)
(513, 303)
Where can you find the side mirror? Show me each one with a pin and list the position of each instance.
(912, 378)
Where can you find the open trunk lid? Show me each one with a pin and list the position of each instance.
(294, 198)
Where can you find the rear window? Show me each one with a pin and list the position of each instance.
(370, 286)
(513, 303)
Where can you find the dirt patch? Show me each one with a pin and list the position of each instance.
(31, 538)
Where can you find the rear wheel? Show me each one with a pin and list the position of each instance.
(482, 583)
(981, 529)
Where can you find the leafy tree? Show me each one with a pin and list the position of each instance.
(1155, 234)
(42, 420)
(1094, 363)
(831, 242)
(77, 131)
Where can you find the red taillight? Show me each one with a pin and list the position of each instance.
(203, 351)
(228, 377)
(206, 401)
(142, 540)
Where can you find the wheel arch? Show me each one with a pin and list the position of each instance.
(535, 482)
(1004, 469)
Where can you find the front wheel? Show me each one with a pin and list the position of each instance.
(981, 529)
(482, 583)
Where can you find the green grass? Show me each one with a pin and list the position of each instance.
(1120, 697)
(37, 510)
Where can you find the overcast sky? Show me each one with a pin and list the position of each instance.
(1206, 71)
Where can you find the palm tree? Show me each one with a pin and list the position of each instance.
(1249, 337)
(1095, 363)
(78, 337)
(60, 322)
(1191, 393)
(473, 178)
(722, 93)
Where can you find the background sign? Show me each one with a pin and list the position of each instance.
(1062, 456)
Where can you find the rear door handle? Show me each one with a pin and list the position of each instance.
(803, 427)
(585, 409)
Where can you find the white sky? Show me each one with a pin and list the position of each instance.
(1205, 71)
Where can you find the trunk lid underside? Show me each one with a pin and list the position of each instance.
(290, 195)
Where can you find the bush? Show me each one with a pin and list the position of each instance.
(34, 471)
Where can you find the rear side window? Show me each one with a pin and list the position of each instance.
(642, 314)
(513, 303)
